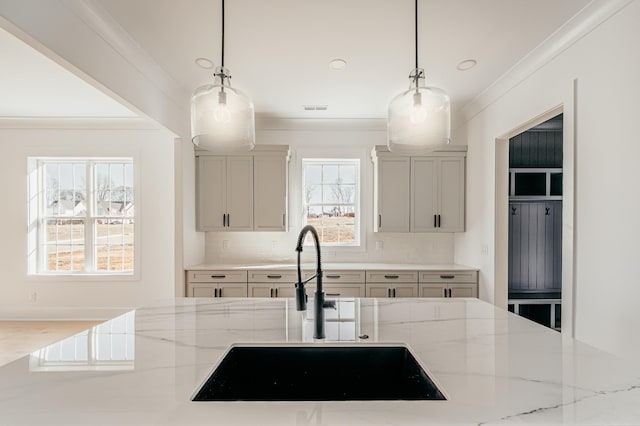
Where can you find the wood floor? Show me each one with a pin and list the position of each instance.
(20, 338)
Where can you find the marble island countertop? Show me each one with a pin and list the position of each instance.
(496, 368)
(328, 266)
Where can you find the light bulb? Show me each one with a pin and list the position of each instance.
(418, 112)
(221, 111)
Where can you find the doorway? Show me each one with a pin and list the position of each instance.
(535, 223)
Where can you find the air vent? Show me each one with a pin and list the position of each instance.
(315, 107)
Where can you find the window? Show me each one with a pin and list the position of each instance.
(331, 196)
(82, 212)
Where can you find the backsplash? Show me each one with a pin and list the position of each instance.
(279, 247)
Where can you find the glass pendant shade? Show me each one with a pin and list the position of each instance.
(222, 118)
(419, 119)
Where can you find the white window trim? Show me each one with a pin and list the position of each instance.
(364, 195)
(35, 212)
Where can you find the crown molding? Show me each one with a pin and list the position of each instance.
(583, 23)
(91, 123)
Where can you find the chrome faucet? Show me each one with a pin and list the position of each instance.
(301, 295)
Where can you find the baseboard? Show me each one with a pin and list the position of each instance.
(57, 313)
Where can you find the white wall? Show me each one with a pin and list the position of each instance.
(602, 115)
(279, 246)
(78, 297)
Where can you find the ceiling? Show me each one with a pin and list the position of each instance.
(32, 85)
(278, 51)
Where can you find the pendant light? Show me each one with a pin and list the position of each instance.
(222, 118)
(419, 118)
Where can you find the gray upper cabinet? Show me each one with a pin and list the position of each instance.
(391, 192)
(225, 193)
(437, 194)
(243, 192)
(419, 193)
(270, 192)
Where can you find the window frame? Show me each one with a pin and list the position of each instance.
(345, 159)
(38, 216)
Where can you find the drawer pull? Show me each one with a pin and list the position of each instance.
(333, 294)
(447, 277)
(392, 277)
(274, 277)
(218, 276)
(332, 276)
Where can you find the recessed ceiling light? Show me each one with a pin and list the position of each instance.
(204, 63)
(338, 64)
(467, 64)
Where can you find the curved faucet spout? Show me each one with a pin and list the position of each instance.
(301, 296)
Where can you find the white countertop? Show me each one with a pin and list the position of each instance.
(496, 368)
(328, 266)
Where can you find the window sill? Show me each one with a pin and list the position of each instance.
(83, 277)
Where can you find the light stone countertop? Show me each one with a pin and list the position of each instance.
(496, 368)
(329, 266)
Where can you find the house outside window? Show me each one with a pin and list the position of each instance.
(331, 199)
(82, 216)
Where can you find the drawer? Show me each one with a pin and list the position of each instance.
(448, 276)
(272, 277)
(339, 276)
(392, 276)
(217, 276)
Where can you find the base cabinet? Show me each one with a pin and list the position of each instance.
(380, 290)
(217, 283)
(342, 283)
(448, 284)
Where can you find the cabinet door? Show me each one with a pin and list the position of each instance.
(240, 193)
(288, 290)
(270, 193)
(206, 290)
(378, 290)
(211, 193)
(432, 290)
(424, 194)
(463, 290)
(233, 290)
(393, 194)
(451, 194)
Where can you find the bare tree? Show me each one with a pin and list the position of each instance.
(309, 189)
(342, 194)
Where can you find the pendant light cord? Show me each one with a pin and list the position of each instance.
(416, 28)
(222, 55)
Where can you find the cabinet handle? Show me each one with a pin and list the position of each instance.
(435, 221)
(228, 220)
(220, 292)
(444, 290)
(276, 292)
(392, 277)
(447, 277)
(224, 220)
(394, 292)
(388, 292)
(449, 292)
(333, 294)
(332, 276)
(215, 292)
(439, 221)
(218, 276)
(274, 277)
(379, 221)
(270, 292)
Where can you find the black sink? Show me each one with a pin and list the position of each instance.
(318, 373)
